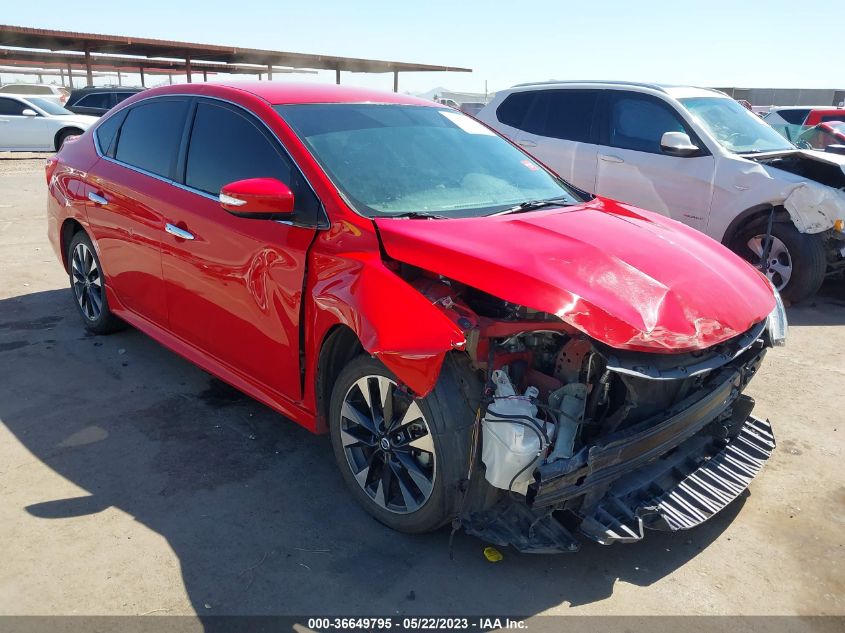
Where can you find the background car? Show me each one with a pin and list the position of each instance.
(97, 101)
(828, 137)
(35, 124)
(366, 262)
(792, 121)
(56, 94)
(695, 155)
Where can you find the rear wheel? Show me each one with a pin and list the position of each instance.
(89, 286)
(401, 457)
(796, 262)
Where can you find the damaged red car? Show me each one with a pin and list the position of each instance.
(485, 344)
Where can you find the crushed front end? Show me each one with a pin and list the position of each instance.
(575, 439)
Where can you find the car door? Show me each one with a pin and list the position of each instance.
(23, 132)
(234, 285)
(560, 128)
(632, 167)
(130, 191)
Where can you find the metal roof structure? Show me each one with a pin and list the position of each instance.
(96, 50)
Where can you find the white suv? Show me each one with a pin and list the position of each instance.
(695, 155)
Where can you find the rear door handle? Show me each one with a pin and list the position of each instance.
(180, 233)
(527, 143)
(97, 198)
(609, 158)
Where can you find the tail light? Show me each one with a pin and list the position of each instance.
(62, 98)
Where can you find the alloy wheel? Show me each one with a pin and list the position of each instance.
(388, 444)
(87, 282)
(779, 262)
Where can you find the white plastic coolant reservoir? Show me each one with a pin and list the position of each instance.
(508, 447)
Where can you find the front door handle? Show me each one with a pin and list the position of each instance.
(609, 158)
(180, 233)
(527, 143)
(97, 198)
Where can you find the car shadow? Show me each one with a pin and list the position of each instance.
(826, 308)
(250, 503)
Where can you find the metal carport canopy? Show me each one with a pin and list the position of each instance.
(44, 39)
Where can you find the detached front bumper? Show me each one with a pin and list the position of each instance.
(670, 473)
(676, 492)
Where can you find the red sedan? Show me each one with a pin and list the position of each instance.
(485, 344)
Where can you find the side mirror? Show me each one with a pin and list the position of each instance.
(677, 144)
(258, 198)
(29, 112)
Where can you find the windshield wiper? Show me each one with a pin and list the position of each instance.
(417, 215)
(533, 205)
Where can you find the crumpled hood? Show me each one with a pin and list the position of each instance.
(629, 278)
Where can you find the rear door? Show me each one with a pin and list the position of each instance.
(234, 285)
(561, 130)
(633, 168)
(131, 190)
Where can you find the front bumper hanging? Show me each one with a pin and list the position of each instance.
(677, 491)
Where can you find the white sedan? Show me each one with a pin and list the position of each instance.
(35, 124)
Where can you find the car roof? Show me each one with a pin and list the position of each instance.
(108, 89)
(669, 89)
(778, 108)
(284, 93)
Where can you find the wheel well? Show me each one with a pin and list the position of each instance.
(751, 216)
(70, 228)
(63, 131)
(340, 346)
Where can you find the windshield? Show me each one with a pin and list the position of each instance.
(403, 159)
(735, 128)
(48, 106)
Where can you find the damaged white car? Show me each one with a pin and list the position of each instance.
(697, 156)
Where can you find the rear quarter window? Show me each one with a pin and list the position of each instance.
(513, 109)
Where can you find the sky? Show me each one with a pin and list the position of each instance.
(706, 43)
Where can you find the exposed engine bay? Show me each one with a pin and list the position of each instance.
(579, 438)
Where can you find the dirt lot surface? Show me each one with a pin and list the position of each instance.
(131, 482)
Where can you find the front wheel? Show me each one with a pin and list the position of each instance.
(796, 262)
(401, 457)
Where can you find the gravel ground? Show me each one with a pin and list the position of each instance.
(131, 482)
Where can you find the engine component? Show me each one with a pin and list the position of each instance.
(569, 402)
(513, 439)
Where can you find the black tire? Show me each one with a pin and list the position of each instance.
(806, 255)
(64, 135)
(88, 286)
(448, 417)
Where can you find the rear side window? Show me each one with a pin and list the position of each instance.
(11, 107)
(638, 122)
(151, 134)
(794, 117)
(120, 96)
(564, 114)
(833, 117)
(95, 100)
(513, 109)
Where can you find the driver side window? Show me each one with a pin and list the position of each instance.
(638, 122)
